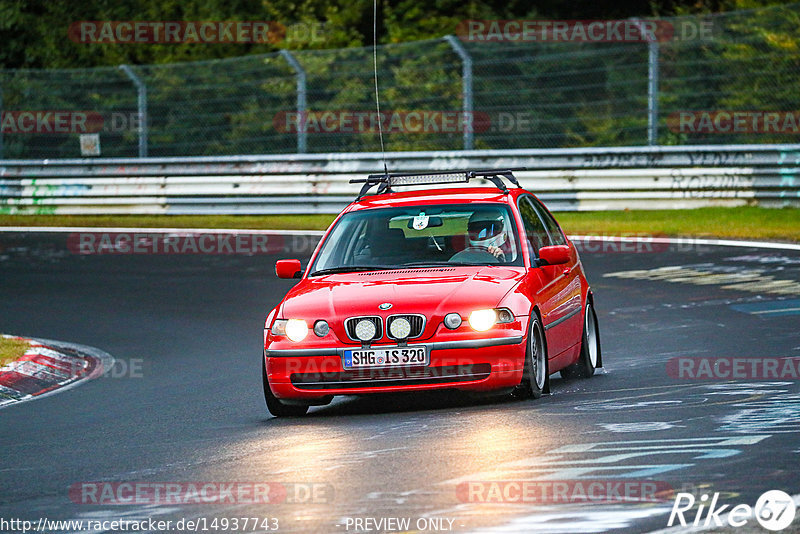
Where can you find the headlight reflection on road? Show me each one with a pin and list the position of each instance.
(312, 460)
(489, 440)
(338, 466)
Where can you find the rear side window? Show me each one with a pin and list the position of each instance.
(535, 230)
(556, 235)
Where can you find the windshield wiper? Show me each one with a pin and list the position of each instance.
(351, 269)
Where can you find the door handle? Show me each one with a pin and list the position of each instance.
(566, 271)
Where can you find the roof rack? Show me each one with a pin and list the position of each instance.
(387, 180)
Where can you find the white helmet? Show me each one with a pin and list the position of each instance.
(487, 229)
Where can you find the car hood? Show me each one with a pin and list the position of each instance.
(430, 291)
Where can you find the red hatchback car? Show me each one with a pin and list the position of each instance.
(468, 288)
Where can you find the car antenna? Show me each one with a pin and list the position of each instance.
(377, 96)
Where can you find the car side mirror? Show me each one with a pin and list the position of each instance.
(288, 269)
(554, 255)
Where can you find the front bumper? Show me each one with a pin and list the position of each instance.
(470, 364)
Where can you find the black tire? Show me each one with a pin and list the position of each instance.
(590, 348)
(535, 374)
(274, 405)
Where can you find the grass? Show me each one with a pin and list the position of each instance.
(736, 223)
(11, 350)
(256, 222)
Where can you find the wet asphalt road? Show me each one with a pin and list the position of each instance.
(185, 402)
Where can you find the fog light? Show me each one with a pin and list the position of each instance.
(482, 320)
(321, 328)
(296, 329)
(400, 328)
(452, 320)
(365, 330)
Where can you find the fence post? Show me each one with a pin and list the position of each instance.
(652, 83)
(652, 92)
(141, 90)
(301, 99)
(466, 89)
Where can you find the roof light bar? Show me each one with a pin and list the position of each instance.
(428, 179)
(386, 181)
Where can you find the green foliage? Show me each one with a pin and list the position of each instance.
(750, 63)
(216, 99)
(34, 33)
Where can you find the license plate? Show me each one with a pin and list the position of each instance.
(385, 357)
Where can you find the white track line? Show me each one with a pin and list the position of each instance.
(693, 241)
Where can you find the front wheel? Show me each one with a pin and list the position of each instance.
(274, 405)
(534, 375)
(590, 348)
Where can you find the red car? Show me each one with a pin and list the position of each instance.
(473, 288)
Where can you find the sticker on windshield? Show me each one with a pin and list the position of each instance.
(421, 221)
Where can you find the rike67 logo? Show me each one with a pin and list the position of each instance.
(774, 510)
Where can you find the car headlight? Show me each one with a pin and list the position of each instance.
(483, 320)
(295, 329)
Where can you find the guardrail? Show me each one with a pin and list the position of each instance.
(566, 179)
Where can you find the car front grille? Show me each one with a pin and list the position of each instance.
(417, 322)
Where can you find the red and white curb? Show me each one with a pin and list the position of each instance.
(49, 367)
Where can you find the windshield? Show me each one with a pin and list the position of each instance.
(450, 234)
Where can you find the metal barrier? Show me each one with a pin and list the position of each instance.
(566, 179)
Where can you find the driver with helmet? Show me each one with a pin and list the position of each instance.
(487, 231)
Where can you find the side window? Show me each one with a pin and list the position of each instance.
(556, 236)
(534, 229)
